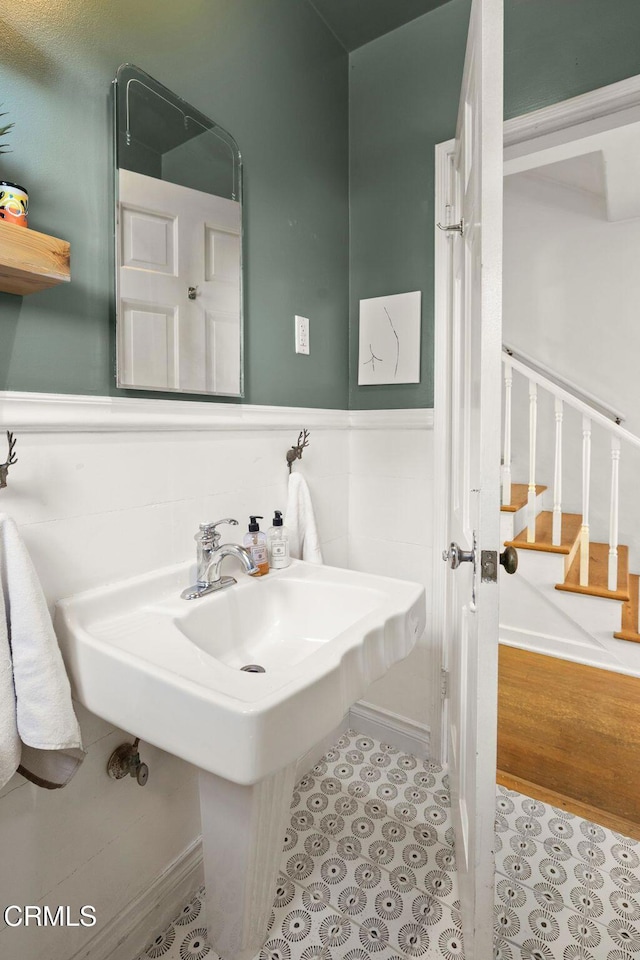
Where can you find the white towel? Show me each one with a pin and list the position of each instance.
(39, 733)
(301, 521)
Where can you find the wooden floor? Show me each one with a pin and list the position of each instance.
(570, 735)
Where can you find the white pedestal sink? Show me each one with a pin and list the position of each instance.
(169, 671)
(242, 834)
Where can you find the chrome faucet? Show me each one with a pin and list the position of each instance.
(211, 553)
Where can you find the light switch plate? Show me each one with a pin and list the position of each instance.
(302, 334)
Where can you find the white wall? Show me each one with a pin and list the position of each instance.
(572, 301)
(99, 497)
(96, 507)
(390, 533)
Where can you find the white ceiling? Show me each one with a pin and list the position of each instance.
(605, 165)
(584, 173)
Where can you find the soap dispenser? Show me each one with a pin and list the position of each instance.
(278, 543)
(256, 543)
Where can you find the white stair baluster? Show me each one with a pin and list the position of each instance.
(556, 535)
(586, 482)
(531, 498)
(506, 458)
(612, 582)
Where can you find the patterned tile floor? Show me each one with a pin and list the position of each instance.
(368, 873)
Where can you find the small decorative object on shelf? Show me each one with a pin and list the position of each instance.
(14, 204)
(11, 459)
(14, 199)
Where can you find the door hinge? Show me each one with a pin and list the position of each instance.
(444, 684)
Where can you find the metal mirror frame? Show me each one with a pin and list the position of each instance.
(190, 113)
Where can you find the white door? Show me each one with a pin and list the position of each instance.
(173, 240)
(474, 352)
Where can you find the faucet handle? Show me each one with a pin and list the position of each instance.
(207, 531)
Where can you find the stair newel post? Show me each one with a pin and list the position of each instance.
(612, 583)
(556, 532)
(586, 483)
(506, 457)
(533, 426)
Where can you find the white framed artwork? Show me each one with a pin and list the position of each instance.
(389, 344)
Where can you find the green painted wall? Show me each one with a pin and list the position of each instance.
(274, 75)
(276, 78)
(556, 49)
(403, 100)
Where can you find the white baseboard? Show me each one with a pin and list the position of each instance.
(128, 933)
(407, 735)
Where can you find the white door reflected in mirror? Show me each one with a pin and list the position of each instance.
(179, 285)
(178, 239)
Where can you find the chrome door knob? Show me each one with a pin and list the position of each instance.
(455, 556)
(509, 559)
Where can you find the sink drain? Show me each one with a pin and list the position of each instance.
(253, 668)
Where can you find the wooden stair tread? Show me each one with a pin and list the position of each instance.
(520, 496)
(571, 524)
(629, 629)
(598, 574)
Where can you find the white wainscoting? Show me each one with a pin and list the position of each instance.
(106, 488)
(390, 533)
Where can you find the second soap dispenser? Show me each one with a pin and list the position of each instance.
(256, 543)
(278, 541)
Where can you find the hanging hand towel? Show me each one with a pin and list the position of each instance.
(39, 732)
(301, 521)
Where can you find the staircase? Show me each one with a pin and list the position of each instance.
(569, 684)
(565, 571)
(533, 516)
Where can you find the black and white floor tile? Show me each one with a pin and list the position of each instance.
(368, 873)
(566, 888)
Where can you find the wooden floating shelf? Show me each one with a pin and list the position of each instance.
(31, 261)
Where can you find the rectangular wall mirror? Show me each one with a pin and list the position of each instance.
(178, 244)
